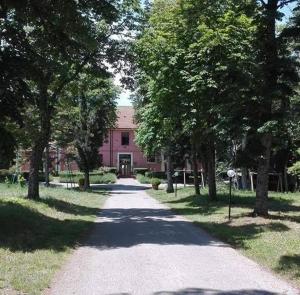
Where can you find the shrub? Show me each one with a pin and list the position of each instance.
(158, 174)
(81, 183)
(155, 181)
(4, 173)
(143, 179)
(113, 170)
(106, 178)
(21, 180)
(141, 171)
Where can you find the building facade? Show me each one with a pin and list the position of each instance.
(120, 149)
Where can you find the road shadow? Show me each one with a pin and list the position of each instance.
(123, 228)
(197, 291)
(120, 187)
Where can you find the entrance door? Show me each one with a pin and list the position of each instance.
(125, 165)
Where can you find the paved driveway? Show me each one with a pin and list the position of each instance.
(138, 246)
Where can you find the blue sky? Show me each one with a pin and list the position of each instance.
(124, 97)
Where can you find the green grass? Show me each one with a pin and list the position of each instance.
(272, 242)
(37, 236)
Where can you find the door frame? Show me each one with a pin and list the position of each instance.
(131, 162)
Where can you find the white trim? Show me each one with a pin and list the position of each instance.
(118, 161)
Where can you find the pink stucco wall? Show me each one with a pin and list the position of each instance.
(110, 151)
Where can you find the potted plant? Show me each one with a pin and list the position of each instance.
(155, 183)
(81, 183)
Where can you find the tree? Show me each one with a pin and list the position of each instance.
(86, 113)
(53, 41)
(197, 60)
(277, 77)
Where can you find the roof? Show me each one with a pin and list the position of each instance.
(125, 117)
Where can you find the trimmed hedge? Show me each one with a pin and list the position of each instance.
(159, 175)
(141, 171)
(109, 170)
(95, 177)
(10, 175)
(143, 179)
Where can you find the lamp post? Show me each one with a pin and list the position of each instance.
(176, 174)
(231, 174)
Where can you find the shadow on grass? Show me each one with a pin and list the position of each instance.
(291, 264)
(69, 208)
(238, 236)
(24, 229)
(243, 201)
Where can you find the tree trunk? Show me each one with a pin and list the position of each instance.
(195, 168)
(211, 170)
(269, 88)
(47, 162)
(170, 186)
(39, 144)
(86, 180)
(285, 177)
(244, 169)
(262, 185)
(244, 178)
(35, 161)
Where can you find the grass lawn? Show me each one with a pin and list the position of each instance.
(37, 236)
(273, 242)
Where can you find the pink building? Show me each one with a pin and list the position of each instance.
(120, 149)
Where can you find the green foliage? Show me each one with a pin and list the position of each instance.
(86, 113)
(155, 181)
(21, 180)
(156, 174)
(113, 170)
(143, 179)
(96, 177)
(142, 171)
(295, 169)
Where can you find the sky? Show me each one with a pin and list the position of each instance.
(124, 96)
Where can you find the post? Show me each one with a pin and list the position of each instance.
(202, 179)
(252, 183)
(231, 174)
(184, 177)
(230, 184)
(176, 175)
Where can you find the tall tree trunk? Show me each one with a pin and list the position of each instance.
(211, 169)
(244, 169)
(170, 186)
(244, 178)
(47, 162)
(86, 180)
(269, 94)
(285, 177)
(262, 185)
(39, 145)
(195, 167)
(35, 161)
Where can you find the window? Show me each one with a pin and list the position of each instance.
(125, 138)
(151, 159)
(101, 159)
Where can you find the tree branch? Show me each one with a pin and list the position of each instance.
(283, 3)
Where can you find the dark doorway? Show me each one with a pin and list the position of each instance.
(125, 165)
